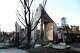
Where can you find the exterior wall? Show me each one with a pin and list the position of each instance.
(17, 27)
(54, 31)
(54, 27)
(49, 31)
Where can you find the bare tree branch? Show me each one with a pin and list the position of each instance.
(32, 18)
(24, 6)
(36, 24)
(20, 15)
(22, 3)
(25, 12)
(20, 20)
(31, 3)
(28, 2)
(25, 17)
(44, 3)
(25, 3)
(30, 6)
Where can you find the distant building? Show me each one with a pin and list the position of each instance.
(75, 28)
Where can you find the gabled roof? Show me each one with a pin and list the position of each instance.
(41, 13)
(45, 16)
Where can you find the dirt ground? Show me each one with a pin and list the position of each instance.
(50, 50)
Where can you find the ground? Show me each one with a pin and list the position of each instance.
(41, 50)
(13, 50)
(37, 50)
(51, 50)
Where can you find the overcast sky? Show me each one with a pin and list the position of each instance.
(55, 8)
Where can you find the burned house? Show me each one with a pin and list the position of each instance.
(46, 28)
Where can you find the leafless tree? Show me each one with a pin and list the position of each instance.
(28, 20)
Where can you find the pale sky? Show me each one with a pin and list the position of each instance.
(64, 8)
(55, 8)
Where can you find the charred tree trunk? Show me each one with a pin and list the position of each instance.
(29, 31)
(17, 39)
(29, 36)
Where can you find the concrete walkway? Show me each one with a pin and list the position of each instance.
(12, 50)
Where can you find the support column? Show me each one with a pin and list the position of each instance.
(41, 30)
(45, 31)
